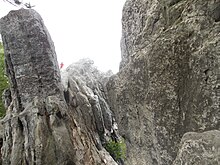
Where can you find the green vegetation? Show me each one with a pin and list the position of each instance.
(3, 80)
(116, 149)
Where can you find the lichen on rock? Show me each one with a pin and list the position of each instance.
(199, 148)
(168, 82)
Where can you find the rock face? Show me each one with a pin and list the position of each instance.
(165, 98)
(169, 78)
(199, 148)
(85, 92)
(40, 126)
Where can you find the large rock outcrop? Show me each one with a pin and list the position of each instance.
(40, 126)
(169, 78)
(85, 92)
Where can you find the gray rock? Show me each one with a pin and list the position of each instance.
(169, 77)
(199, 148)
(34, 78)
(166, 89)
(1, 140)
(39, 127)
(6, 97)
(86, 88)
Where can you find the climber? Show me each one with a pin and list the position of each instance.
(61, 65)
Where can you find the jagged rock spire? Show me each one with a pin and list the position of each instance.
(39, 127)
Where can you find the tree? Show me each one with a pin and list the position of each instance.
(19, 3)
(3, 80)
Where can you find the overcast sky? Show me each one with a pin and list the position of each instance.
(82, 28)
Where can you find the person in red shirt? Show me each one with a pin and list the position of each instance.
(61, 65)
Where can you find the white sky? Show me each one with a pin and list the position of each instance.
(82, 28)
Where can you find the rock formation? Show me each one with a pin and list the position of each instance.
(199, 148)
(165, 98)
(85, 92)
(169, 78)
(40, 126)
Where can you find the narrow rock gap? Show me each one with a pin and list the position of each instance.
(173, 2)
(59, 115)
(1, 144)
(216, 13)
(66, 96)
(206, 72)
(10, 71)
(20, 125)
(35, 157)
(13, 79)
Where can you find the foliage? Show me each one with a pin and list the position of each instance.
(18, 3)
(116, 149)
(3, 80)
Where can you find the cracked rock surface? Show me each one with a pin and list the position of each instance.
(85, 92)
(199, 148)
(40, 126)
(169, 78)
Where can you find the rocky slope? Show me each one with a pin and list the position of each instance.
(169, 80)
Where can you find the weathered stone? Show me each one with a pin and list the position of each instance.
(34, 78)
(85, 83)
(169, 77)
(86, 90)
(39, 127)
(6, 98)
(199, 148)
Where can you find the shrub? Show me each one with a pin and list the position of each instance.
(116, 149)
